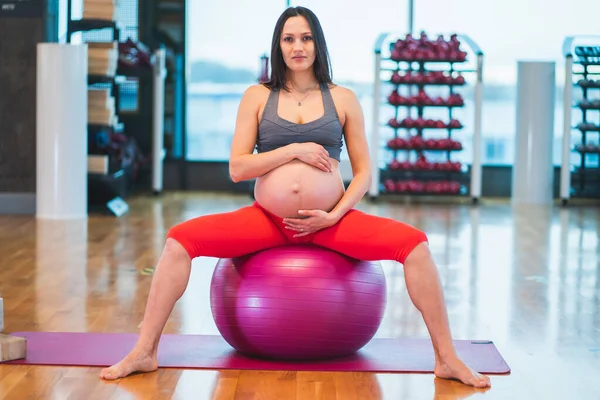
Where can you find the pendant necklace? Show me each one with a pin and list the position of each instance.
(304, 98)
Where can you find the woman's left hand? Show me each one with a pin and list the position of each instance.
(310, 221)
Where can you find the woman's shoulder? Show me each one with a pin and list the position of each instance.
(341, 92)
(255, 95)
(343, 97)
(257, 90)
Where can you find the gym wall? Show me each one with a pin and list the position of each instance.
(21, 28)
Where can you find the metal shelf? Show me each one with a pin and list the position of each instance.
(580, 180)
(386, 66)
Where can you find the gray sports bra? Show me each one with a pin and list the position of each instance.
(275, 132)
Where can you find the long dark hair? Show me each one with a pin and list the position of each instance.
(321, 66)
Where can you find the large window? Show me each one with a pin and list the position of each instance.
(227, 39)
(510, 31)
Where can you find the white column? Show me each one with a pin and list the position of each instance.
(158, 110)
(61, 131)
(532, 175)
(477, 168)
(565, 166)
(374, 189)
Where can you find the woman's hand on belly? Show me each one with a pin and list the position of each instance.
(313, 154)
(310, 221)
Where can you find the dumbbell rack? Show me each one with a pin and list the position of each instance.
(403, 78)
(580, 166)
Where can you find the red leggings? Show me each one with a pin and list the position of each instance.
(252, 228)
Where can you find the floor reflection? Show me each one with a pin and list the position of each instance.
(527, 278)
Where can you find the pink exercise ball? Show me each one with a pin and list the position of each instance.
(297, 302)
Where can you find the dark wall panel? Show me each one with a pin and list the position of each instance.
(18, 39)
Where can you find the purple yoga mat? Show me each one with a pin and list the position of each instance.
(212, 352)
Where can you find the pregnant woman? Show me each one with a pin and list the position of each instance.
(297, 122)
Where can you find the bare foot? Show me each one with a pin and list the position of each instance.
(133, 362)
(454, 368)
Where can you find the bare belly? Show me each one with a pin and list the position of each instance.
(296, 186)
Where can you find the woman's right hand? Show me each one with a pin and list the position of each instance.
(313, 154)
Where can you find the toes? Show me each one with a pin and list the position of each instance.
(477, 380)
(111, 376)
(107, 374)
(482, 382)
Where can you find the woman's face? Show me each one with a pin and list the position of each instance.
(297, 44)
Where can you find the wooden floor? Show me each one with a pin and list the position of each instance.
(526, 278)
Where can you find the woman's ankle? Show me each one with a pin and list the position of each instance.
(145, 349)
(445, 352)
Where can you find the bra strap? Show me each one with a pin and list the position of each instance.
(328, 103)
(270, 110)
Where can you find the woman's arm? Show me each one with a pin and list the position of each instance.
(358, 151)
(244, 165)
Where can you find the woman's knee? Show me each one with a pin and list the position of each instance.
(416, 246)
(176, 245)
(418, 254)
